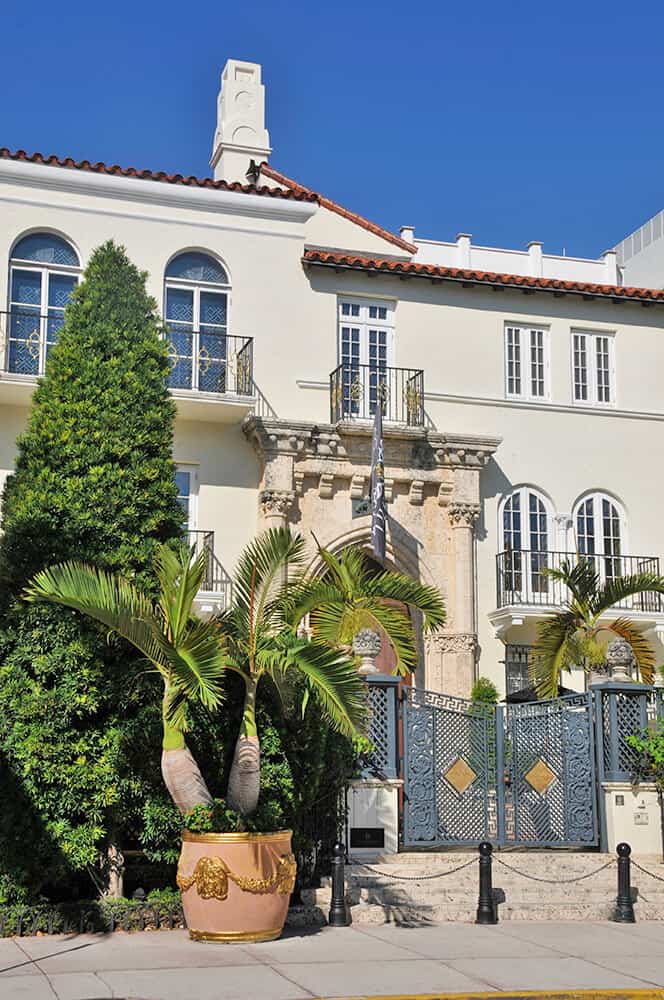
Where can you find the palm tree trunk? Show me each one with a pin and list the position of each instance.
(183, 779)
(181, 774)
(244, 783)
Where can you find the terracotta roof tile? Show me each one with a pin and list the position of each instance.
(151, 175)
(333, 206)
(491, 278)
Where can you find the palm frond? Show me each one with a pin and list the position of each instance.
(265, 566)
(197, 662)
(108, 599)
(403, 589)
(333, 677)
(552, 652)
(643, 653)
(580, 578)
(180, 576)
(622, 587)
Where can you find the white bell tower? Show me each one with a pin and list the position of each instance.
(241, 135)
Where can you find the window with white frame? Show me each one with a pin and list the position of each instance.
(599, 527)
(44, 269)
(526, 362)
(186, 480)
(196, 314)
(366, 351)
(593, 368)
(525, 531)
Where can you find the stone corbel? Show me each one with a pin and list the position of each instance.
(445, 491)
(326, 485)
(389, 490)
(357, 486)
(416, 493)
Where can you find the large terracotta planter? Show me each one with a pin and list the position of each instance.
(236, 886)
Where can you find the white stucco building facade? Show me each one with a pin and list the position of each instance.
(522, 411)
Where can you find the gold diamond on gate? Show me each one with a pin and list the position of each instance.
(460, 775)
(540, 776)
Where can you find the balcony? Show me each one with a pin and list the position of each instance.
(356, 389)
(211, 372)
(215, 595)
(26, 338)
(525, 591)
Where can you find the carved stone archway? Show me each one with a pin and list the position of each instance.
(311, 475)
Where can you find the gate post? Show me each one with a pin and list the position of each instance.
(628, 813)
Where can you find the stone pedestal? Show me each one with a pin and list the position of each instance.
(633, 816)
(373, 816)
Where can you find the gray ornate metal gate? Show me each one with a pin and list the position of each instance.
(520, 774)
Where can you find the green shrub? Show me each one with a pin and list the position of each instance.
(220, 818)
(94, 481)
(484, 691)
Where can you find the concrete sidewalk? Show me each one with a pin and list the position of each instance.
(346, 962)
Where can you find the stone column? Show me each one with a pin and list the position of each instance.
(461, 645)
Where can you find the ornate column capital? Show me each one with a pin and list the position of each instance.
(462, 514)
(457, 642)
(275, 503)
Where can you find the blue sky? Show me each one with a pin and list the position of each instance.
(513, 122)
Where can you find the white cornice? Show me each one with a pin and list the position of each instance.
(71, 180)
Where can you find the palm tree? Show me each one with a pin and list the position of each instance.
(351, 596)
(570, 638)
(185, 651)
(284, 620)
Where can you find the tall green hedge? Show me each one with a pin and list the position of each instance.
(94, 480)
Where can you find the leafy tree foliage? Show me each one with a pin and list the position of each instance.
(94, 480)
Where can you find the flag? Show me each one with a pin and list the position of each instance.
(378, 510)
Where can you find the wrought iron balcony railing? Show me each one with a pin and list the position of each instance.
(522, 579)
(355, 391)
(217, 580)
(26, 337)
(209, 360)
(206, 359)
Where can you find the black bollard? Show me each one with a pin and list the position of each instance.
(624, 913)
(339, 916)
(486, 905)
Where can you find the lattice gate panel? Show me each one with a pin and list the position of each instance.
(450, 770)
(550, 788)
(524, 774)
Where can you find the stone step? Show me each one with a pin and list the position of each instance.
(464, 912)
(418, 899)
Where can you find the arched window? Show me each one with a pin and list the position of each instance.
(43, 272)
(196, 313)
(599, 527)
(525, 530)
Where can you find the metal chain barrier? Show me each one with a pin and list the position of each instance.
(556, 881)
(412, 878)
(645, 871)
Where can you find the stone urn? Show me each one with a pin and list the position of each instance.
(366, 645)
(236, 886)
(620, 660)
